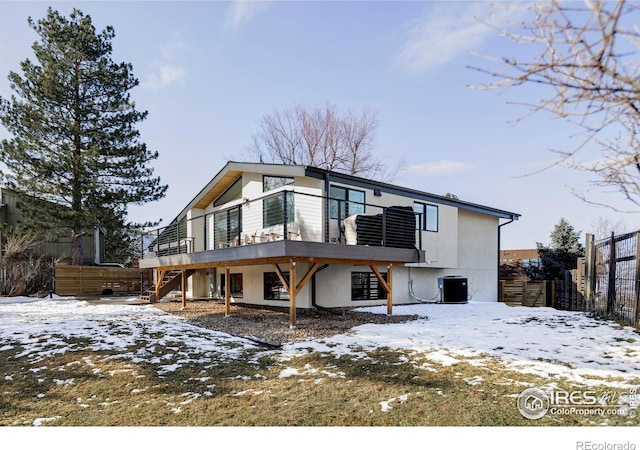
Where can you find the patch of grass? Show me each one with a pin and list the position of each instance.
(383, 388)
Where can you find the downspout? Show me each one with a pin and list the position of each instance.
(499, 238)
(313, 294)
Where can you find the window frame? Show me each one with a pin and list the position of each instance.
(369, 286)
(289, 214)
(222, 198)
(233, 280)
(273, 284)
(342, 207)
(285, 181)
(425, 218)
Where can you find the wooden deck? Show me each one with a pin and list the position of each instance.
(283, 251)
(289, 252)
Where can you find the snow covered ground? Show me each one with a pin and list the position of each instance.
(541, 341)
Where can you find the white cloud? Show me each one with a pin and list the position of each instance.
(240, 12)
(163, 77)
(174, 48)
(443, 33)
(442, 167)
(167, 71)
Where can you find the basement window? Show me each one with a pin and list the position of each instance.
(365, 286)
(235, 279)
(273, 288)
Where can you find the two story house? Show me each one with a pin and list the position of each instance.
(304, 237)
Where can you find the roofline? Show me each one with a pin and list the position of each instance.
(315, 172)
(241, 167)
(399, 190)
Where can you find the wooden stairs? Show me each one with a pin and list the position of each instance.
(171, 280)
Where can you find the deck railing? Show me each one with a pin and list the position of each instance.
(287, 214)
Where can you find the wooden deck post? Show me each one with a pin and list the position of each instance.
(292, 294)
(390, 289)
(160, 273)
(227, 292)
(184, 288)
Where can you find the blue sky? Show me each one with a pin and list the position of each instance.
(210, 70)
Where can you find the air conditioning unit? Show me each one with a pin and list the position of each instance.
(453, 289)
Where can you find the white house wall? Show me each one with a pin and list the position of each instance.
(465, 244)
(206, 283)
(195, 228)
(478, 254)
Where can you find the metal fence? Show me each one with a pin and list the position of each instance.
(612, 277)
(606, 281)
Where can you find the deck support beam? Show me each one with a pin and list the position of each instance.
(387, 285)
(292, 294)
(227, 292)
(293, 288)
(183, 288)
(160, 273)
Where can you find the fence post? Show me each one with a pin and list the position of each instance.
(567, 292)
(611, 291)
(589, 270)
(637, 256)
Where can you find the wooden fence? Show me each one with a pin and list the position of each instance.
(566, 294)
(606, 281)
(94, 280)
(526, 293)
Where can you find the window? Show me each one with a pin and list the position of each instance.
(271, 183)
(235, 279)
(365, 286)
(531, 262)
(277, 209)
(234, 192)
(226, 227)
(426, 216)
(280, 207)
(345, 202)
(273, 288)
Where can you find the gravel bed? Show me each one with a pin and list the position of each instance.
(270, 325)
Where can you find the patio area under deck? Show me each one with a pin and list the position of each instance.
(289, 252)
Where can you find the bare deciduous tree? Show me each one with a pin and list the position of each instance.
(603, 226)
(325, 138)
(587, 54)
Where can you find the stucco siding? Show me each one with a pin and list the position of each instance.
(478, 254)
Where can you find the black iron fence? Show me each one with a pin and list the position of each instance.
(612, 276)
(606, 280)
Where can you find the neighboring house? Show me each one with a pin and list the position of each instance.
(348, 241)
(514, 262)
(56, 243)
(528, 257)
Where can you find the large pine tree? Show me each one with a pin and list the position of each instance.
(75, 141)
